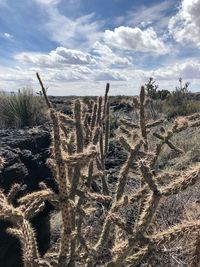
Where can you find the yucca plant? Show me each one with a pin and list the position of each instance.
(21, 109)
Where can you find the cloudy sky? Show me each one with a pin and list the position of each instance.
(79, 45)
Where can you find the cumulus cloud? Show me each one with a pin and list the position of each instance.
(185, 25)
(72, 74)
(56, 58)
(105, 55)
(135, 39)
(187, 70)
(109, 75)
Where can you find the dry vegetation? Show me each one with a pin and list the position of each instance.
(21, 109)
(149, 217)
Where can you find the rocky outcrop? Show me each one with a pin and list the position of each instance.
(25, 153)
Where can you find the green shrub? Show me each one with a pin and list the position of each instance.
(186, 108)
(178, 102)
(21, 109)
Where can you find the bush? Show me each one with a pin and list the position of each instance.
(179, 104)
(188, 107)
(21, 109)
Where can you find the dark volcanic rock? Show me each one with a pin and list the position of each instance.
(25, 153)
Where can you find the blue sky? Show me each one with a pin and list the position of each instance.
(79, 45)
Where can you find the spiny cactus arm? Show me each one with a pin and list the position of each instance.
(142, 118)
(101, 147)
(96, 136)
(8, 212)
(99, 112)
(77, 169)
(125, 131)
(125, 169)
(155, 123)
(52, 258)
(175, 148)
(42, 195)
(164, 139)
(26, 235)
(175, 232)
(80, 237)
(149, 209)
(90, 174)
(94, 117)
(187, 178)
(159, 136)
(79, 126)
(101, 163)
(107, 127)
(32, 253)
(137, 257)
(129, 124)
(125, 144)
(13, 192)
(105, 99)
(82, 159)
(43, 91)
(33, 209)
(93, 196)
(120, 191)
(44, 263)
(117, 220)
(148, 177)
(63, 190)
(104, 235)
(87, 129)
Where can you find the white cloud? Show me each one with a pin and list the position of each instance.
(47, 2)
(71, 32)
(189, 70)
(72, 74)
(135, 39)
(107, 57)
(8, 36)
(185, 25)
(144, 15)
(56, 58)
(109, 75)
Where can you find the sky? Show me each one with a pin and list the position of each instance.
(77, 46)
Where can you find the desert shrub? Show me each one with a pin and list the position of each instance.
(21, 109)
(187, 107)
(157, 97)
(178, 102)
(96, 229)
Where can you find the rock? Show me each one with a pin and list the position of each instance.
(15, 173)
(116, 156)
(25, 152)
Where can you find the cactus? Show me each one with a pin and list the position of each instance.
(79, 150)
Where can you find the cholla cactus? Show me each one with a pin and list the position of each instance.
(79, 149)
